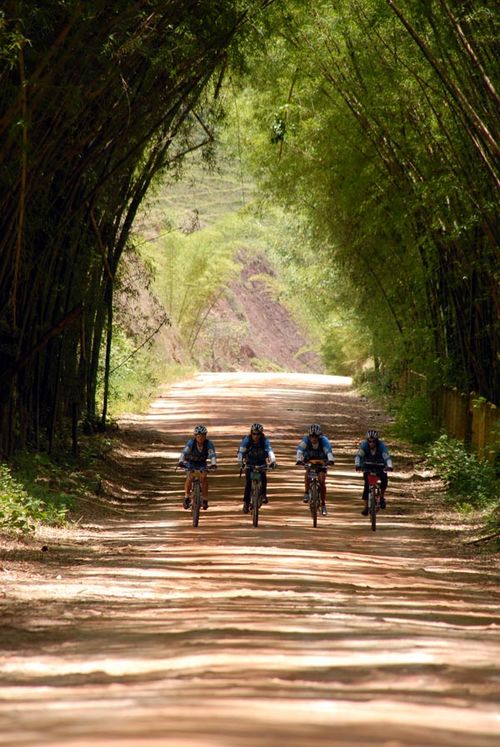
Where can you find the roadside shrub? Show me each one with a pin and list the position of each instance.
(33, 490)
(414, 420)
(19, 511)
(470, 482)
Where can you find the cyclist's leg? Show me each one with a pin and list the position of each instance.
(264, 488)
(383, 487)
(322, 490)
(365, 494)
(322, 485)
(187, 490)
(306, 486)
(204, 489)
(248, 489)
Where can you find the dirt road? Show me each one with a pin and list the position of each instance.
(141, 631)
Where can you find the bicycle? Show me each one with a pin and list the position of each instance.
(256, 489)
(195, 494)
(374, 493)
(313, 467)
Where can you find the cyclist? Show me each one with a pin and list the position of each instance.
(195, 455)
(315, 445)
(372, 449)
(255, 451)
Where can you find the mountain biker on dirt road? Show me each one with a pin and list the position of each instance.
(372, 449)
(315, 445)
(255, 451)
(195, 455)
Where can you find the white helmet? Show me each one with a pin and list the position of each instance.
(315, 430)
(200, 429)
(371, 433)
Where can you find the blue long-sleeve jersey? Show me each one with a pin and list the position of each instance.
(255, 453)
(380, 455)
(306, 450)
(195, 456)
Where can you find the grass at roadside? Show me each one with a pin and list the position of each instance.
(471, 483)
(37, 489)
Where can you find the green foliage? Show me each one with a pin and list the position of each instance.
(365, 139)
(470, 482)
(74, 171)
(190, 272)
(137, 374)
(414, 420)
(23, 506)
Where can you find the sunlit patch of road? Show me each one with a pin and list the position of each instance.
(145, 631)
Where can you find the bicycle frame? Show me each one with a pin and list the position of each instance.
(373, 498)
(313, 469)
(195, 494)
(255, 472)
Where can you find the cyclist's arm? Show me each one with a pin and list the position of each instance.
(270, 453)
(242, 451)
(211, 454)
(301, 448)
(386, 456)
(184, 455)
(327, 450)
(359, 460)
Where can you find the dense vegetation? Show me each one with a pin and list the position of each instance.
(378, 123)
(96, 100)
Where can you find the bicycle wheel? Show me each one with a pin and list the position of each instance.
(372, 504)
(196, 503)
(255, 502)
(314, 502)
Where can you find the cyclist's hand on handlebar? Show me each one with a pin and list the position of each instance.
(212, 467)
(273, 465)
(299, 463)
(358, 469)
(182, 464)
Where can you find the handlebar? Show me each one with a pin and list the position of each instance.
(374, 466)
(314, 463)
(210, 468)
(254, 467)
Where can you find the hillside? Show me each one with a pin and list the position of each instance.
(259, 331)
(248, 323)
(249, 327)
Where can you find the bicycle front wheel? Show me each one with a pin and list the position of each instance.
(372, 504)
(255, 502)
(314, 503)
(196, 503)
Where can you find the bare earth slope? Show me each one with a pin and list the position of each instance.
(140, 630)
(266, 334)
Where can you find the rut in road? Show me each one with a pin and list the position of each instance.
(140, 630)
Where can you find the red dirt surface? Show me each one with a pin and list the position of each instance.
(138, 630)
